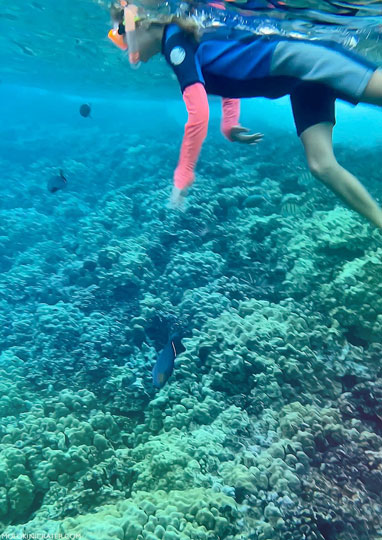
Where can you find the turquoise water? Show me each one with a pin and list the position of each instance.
(270, 425)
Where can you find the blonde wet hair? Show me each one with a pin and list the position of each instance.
(187, 24)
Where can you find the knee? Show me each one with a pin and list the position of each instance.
(323, 169)
(373, 91)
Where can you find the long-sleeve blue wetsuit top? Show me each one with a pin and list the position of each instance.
(228, 62)
(234, 63)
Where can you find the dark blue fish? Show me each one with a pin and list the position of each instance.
(85, 110)
(57, 182)
(164, 365)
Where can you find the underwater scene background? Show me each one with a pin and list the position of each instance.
(270, 426)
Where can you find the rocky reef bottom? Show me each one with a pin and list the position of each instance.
(270, 426)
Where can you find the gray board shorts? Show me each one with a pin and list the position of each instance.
(325, 71)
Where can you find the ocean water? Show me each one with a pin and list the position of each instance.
(270, 426)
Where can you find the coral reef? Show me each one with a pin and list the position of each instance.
(270, 426)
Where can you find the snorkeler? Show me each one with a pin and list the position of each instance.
(235, 64)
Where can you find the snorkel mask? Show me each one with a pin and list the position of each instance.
(123, 35)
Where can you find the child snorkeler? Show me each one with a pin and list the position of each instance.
(236, 64)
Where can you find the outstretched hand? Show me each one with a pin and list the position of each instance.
(177, 198)
(242, 135)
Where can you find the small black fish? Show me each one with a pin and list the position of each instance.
(164, 365)
(85, 110)
(57, 182)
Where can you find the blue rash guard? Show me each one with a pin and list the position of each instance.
(236, 64)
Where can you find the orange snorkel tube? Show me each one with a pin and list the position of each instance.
(117, 39)
(127, 40)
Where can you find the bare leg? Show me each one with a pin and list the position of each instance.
(317, 141)
(373, 91)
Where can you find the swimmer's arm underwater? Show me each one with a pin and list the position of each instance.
(230, 116)
(195, 132)
(230, 126)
